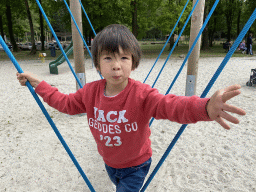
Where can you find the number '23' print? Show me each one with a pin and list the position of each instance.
(108, 139)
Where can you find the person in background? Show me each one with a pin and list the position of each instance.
(242, 46)
(249, 44)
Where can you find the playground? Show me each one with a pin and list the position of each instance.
(32, 158)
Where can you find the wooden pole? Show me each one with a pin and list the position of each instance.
(192, 69)
(78, 50)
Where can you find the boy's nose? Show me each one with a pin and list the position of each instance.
(116, 66)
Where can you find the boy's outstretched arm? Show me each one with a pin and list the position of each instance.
(217, 107)
(26, 76)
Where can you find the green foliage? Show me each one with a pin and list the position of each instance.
(250, 6)
(156, 18)
(18, 16)
(169, 13)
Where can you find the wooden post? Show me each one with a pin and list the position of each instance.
(196, 25)
(78, 50)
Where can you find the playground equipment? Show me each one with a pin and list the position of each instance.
(53, 66)
(40, 104)
(54, 69)
(42, 56)
(207, 89)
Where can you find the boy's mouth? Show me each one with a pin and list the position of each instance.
(116, 77)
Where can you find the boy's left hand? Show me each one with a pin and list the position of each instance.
(217, 107)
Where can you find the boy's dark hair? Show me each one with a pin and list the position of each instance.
(111, 38)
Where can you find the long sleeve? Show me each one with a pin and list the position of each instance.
(71, 104)
(120, 124)
(179, 109)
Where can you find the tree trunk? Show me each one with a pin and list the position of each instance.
(1, 26)
(172, 38)
(238, 21)
(205, 37)
(171, 41)
(134, 18)
(9, 20)
(230, 11)
(33, 50)
(41, 27)
(229, 33)
(212, 32)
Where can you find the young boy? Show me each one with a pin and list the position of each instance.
(119, 108)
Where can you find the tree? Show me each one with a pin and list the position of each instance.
(33, 50)
(169, 14)
(103, 13)
(239, 12)
(1, 26)
(13, 20)
(230, 11)
(216, 22)
(41, 27)
(249, 8)
(205, 36)
(10, 25)
(138, 15)
(134, 5)
(148, 11)
(2, 5)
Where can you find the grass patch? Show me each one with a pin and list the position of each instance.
(150, 51)
(24, 55)
(153, 50)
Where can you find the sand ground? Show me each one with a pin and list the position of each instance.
(206, 157)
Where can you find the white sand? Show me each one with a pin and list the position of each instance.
(206, 157)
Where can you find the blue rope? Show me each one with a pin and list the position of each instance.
(190, 50)
(87, 18)
(176, 42)
(167, 41)
(80, 33)
(58, 42)
(207, 89)
(17, 66)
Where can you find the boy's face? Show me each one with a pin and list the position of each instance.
(116, 68)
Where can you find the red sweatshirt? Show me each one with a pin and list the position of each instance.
(120, 124)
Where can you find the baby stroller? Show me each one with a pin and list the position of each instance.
(252, 78)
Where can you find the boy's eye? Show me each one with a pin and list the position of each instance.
(124, 58)
(107, 58)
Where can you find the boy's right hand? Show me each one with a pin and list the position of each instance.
(24, 77)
